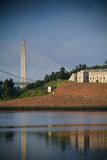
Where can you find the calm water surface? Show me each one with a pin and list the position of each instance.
(53, 135)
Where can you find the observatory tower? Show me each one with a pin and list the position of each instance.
(23, 62)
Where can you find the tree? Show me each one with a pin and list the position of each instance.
(0, 89)
(1, 92)
(8, 89)
(62, 73)
(39, 83)
(57, 75)
(46, 79)
(80, 66)
(30, 86)
(52, 76)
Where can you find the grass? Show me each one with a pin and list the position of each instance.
(97, 102)
(55, 84)
(41, 90)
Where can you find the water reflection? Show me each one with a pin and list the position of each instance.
(8, 136)
(34, 142)
(23, 144)
(79, 140)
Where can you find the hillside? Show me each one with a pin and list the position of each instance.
(41, 91)
(66, 95)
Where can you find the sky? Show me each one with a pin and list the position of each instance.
(68, 32)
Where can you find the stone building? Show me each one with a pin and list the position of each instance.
(91, 76)
(80, 77)
(98, 75)
(73, 77)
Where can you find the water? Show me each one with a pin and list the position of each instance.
(53, 135)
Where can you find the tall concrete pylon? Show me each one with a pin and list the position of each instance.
(23, 62)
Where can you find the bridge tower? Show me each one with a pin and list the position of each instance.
(23, 62)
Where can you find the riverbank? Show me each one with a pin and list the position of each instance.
(48, 108)
(70, 96)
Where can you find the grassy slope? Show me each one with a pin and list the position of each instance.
(67, 96)
(42, 90)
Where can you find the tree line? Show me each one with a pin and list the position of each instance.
(85, 67)
(62, 74)
(8, 90)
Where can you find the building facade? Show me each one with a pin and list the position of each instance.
(91, 76)
(73, 77)
(98, 76)
(82, 76)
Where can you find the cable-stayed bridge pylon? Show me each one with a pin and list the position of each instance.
(25, 65)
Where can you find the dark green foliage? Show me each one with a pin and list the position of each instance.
(79, 67)
(52, 76)
(46, 79)
(18, 91)
(8, 89)
(1, 92)
(62, 74)
(104, 66)
(39, 83)
(35, 85)
(84, 66)
(30, 86)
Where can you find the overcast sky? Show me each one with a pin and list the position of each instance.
(69, 32)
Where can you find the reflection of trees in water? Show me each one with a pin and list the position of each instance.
(54, 139)
(79, 140)
(8, 136)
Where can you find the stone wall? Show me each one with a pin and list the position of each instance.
(98, 76)
(91, 76)
(73, 77)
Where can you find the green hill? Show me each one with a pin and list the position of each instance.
(42, 90)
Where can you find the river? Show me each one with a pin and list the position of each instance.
(53, 135)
